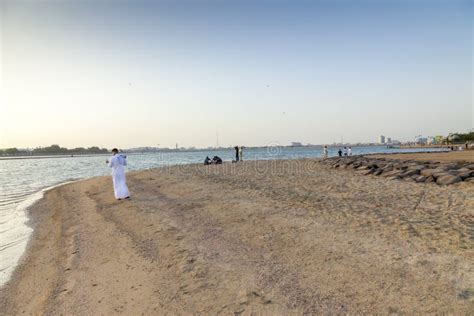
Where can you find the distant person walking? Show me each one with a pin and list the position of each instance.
(349, 151)
(345, 151)
(118, 163)
(339, 152)
(241, 153)
(325, 152)
(236, 153)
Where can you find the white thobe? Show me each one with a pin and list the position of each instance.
(117, 163)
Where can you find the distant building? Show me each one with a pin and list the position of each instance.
(421, 140)
(381, 139)
(389, 140)
(296, 144)
(431, 140)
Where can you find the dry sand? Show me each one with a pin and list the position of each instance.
(449, 156)
(275, 237)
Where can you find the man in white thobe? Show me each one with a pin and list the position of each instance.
(118, 163)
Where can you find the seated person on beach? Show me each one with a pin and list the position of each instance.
(118, 163)
(207, 161)
(216, 160)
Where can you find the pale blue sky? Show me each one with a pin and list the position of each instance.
(126, 74)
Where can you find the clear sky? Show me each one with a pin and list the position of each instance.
(129, 73)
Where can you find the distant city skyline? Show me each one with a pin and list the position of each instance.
(130, 74)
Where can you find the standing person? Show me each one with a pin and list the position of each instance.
(118, 163)
(325, 151)
(339, 152)
(236, 153)
(349, 151)
(241, 153)
(345, 151)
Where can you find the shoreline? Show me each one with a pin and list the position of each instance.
(30, 221)
(93, 196)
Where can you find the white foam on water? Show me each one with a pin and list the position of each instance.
(16, 233)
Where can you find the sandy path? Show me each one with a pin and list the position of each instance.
(264, 237)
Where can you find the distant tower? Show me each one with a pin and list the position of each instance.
(381, 139)
(176, 145)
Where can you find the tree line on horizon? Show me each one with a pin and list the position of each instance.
(53, 150)
(454, 138)
(460, 138)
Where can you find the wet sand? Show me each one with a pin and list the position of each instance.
(274, 237)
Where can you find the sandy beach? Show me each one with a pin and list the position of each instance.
(259, 237)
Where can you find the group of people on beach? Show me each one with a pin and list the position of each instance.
(118, 161)
(239, 153)
(346, 151)
(216, 160)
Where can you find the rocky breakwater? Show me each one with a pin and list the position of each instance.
(409, 170)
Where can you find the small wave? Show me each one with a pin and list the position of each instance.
(12, 244)
(12, 247)
(15, 200)
(6, 230)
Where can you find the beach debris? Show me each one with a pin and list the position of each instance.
(410, 170)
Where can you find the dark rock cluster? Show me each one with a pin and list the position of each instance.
(411, 170)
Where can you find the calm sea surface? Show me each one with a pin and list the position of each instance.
(23, 181)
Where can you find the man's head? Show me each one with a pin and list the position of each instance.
(115, 151)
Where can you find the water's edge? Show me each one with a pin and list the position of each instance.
(24, 209)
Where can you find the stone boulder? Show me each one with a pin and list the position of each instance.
(409, 173)
(367, 172)
(432, 172)
(391, 173)
(447, 179)
(465, 173)
(387, 168)
(407, 170)
(420, 178)
(429, 179)
(417, 167)
(378, 172)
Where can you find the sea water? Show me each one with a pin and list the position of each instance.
(23, 182)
